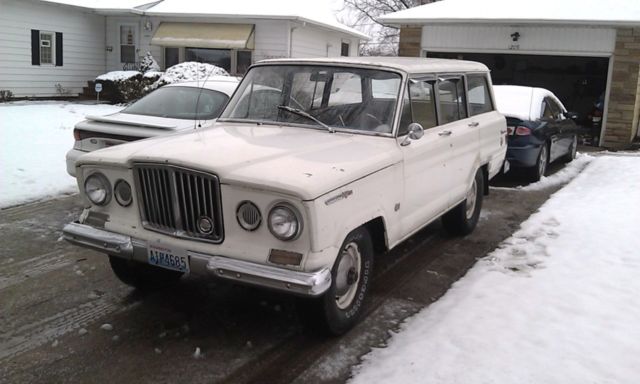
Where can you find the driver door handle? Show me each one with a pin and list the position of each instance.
(474, 124)
(444, 133)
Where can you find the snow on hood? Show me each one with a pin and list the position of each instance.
(297, 161)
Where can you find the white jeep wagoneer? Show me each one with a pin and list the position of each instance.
(314, 167)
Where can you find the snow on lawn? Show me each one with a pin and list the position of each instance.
(34, 138)
(558, 302)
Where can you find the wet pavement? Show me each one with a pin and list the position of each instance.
(66, 318)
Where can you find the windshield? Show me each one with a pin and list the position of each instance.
(317, 96)
(180, 103)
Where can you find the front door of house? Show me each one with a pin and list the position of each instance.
(128, 46)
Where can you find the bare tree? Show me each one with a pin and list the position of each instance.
(363, 15)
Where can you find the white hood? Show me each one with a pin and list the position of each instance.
(304, 162)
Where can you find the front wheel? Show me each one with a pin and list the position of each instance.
(339, 309)
(572, 151)
(142, 276)
(463, 218)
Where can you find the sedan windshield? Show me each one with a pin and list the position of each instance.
(332, 98)
(180, 103)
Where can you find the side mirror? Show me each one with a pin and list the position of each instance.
(415, 133)
(572, 115)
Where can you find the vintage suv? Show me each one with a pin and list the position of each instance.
(314, 166)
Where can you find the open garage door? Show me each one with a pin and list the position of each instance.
(579, 82)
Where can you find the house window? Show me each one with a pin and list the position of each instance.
(217, 57)
(171, 57)
(344, 49)
(243, 61)
(127, 44)
(46, 47)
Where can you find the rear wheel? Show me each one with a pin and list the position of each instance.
(339, 309)
(537, 171)
(142, 276)
(572, 151)
(463, 218)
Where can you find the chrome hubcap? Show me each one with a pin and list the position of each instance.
(348, 275)
(472, 196)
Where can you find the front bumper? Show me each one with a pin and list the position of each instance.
(310, 284)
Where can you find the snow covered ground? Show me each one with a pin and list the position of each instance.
(557, 302)
(34, 138)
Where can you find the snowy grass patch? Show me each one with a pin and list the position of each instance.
(35, 136)
(557, 302)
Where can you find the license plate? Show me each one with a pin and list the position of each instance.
(168, 258)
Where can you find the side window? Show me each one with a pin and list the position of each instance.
(547, 112)
(479, 96)
(405, 118)
(423, 104)
(453, 104)
(556, 111)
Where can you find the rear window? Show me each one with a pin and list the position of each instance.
(180, 103)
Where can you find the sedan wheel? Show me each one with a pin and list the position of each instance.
(572, 151)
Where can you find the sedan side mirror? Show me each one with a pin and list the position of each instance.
(416, 131)
(572, 115)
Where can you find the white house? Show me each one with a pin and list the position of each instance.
(579, 49)
(53, 48)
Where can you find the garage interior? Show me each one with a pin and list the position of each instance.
(579, 82)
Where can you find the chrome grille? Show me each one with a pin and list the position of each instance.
(175, 200)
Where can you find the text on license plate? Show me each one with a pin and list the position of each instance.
(166, 258)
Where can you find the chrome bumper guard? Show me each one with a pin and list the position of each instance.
(301, 283)
(99, 240)
(295, 282)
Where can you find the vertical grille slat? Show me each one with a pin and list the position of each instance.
(172, 200)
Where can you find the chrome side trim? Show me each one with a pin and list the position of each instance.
(302, 283)
(98, 239)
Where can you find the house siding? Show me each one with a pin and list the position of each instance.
(271, 38)
(550, 40)
(310, 41)
(83, 48)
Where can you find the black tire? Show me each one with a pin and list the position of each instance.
(463, 218)
(142, 276)
(334, 313)
(572, 151)
(536, 172)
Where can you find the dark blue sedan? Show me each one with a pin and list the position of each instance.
(540, 130)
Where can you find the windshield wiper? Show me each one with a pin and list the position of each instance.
(302, 113)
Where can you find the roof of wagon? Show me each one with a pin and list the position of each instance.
(406, 64)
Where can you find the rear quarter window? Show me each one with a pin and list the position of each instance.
(479, 96)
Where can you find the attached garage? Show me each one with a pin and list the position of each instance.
(586, 54)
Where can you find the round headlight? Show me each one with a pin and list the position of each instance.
(122, 192)
(284, 222)
(98, 189)
(248, 216)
